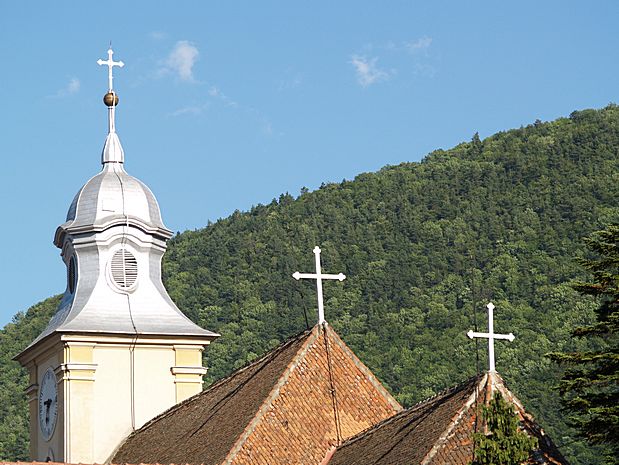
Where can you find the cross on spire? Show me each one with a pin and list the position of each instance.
(491, 336)
(319, 276)
(111, 99)
(110, 64)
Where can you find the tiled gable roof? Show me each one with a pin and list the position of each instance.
(407, 437)
(215, 417)
(290, 406)
(438, 431)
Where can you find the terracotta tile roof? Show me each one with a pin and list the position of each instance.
(407, 437)
(437, 431)
(282, 408)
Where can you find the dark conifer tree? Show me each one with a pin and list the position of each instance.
(590, 385)
(504, 443)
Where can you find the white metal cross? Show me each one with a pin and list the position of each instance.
(110, 64)
(491, 336)
(318, 276)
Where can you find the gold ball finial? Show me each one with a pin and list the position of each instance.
(110, 99)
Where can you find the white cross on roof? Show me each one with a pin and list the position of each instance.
(318, 276)
(491, 336)
(110, 64)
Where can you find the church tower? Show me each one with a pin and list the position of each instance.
(118, 351)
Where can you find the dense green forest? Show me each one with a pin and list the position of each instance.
(424, 246)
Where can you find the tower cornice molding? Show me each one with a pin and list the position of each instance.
(49, 344)
(188, 341)
(66, 229)
(110, 236)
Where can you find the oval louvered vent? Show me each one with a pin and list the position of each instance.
(72, 278)
(124, 269)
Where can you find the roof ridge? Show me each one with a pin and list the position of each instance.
(268, 355)
(444, 393)
(479, 383)
(478, 377)
(364, 369)
(275, 391)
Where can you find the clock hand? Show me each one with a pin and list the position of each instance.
(47, 404)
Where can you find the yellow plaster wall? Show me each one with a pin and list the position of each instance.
(79, 373)
(188, 376)
(188, 357)
(112, 409)
(117, 412)
(33, 410)
(186, 390)
(79, 353)
(155, 391)
(32, 392)
(80, 432)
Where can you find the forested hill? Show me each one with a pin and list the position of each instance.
(424, 247)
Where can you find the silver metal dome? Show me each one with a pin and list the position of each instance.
(113, 197)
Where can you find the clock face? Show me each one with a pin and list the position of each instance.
(48, 404)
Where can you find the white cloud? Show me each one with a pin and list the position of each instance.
(180, 61)
(420, 45)
(367, 71)
(157, 35)
(189, 110)
(220, 100)
(215, 92)
(72, 87)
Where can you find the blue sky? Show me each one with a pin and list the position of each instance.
(224, 105)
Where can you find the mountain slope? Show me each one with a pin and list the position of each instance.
(424, 246)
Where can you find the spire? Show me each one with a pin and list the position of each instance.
(112, 150)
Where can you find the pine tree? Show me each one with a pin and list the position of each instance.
(590, 385)
(505, 443)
